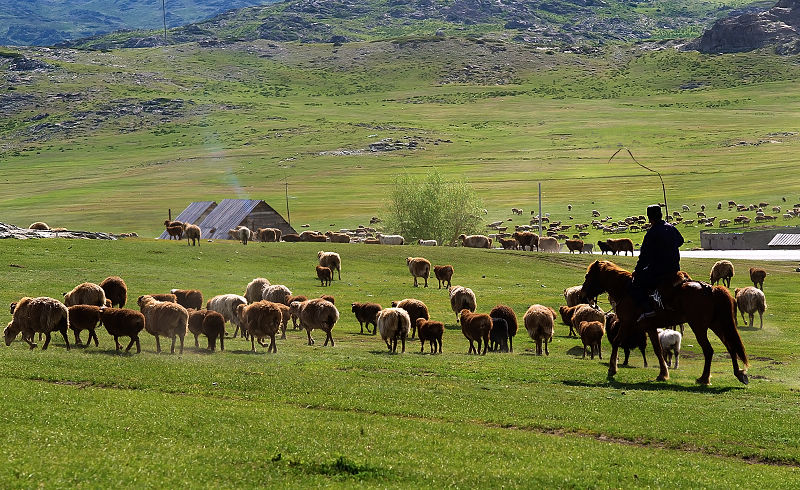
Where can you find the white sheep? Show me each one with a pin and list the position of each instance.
(573, 296)
(394, 324)
(390, 239)
(428, 243)
(226, 305)
(750, 300)
(277, 293)
(670, 341)
(255, 290)
(331, 260)
(461, 298)
(87, 293)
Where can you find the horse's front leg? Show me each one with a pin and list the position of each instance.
(663, 374)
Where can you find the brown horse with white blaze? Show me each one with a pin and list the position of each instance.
(701, 305)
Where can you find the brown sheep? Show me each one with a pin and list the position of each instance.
(418, 267)
(332, 260)
(372, 241)
(328, 298)
(175, 232)
(316, 237)
(722, 270)
(39, 225)
(443, 273)
(393, 324)
(115, 290)
(168, 223)
(325, 275)
(548, 244)
(87, 293)
(261, 319)
(164, 318)
(367, 313)
(618, 245)
(268, 234)
(430, 331)
(320, 314)
(461, 298)
(591, 335)
(292, 237)
(476, 327)
(415, 308)
(168, 297)
(255, 290)
(574, 246)
(188, 298)
(338, 237)
(508, 243)
(208, 323)
(294, 313)
(193, 234)
(538, 322)
(84, 317)
(526, 239)
(37, 315)
(285, 316)
(572, 316)
(635, 339)
(121, 322)
(507, 314)
(475, 241)
(757, 275)
(751, 300)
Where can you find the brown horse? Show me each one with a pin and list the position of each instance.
(701, 305)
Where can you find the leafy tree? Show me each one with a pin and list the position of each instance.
(432, 207)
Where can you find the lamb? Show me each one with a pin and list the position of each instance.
(242, 233)
(461, 298)
(188, 298)
(507, 314)
(427, 243)
(394, 324)
(476, 327)
(87, 293)
(39, 225)
(415, 308)
(320, 314)
(32, 315)
(277, 293)
(209, 323)
(591, 334)
(175, 232)
(548, 244)
(115, 290)
(751, 300)
(390, 239)
(255, 290)
(121, 322)
(193, 233)
(498, 336)
(572, 316)
(367, 313)
(443, 273)
(268, 234)
(164, 318)
(670, 341)
(227, 305)
(261, 319)
(574, 245)
(538, 322)
(636, 339)
(722, 270)
(757, 275)
(618, 245)
(84, 317)
(430, 331)
(332, 260)
(475, 241)
(325, 275)
(419, 267)
(508, 243)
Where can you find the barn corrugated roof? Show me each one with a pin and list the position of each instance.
(785, 240)
(228, 214)
(191, 214)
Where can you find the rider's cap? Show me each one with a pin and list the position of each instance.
(654, 212)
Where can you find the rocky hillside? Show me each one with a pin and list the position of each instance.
(562, 22)
(778, 27)
(47, 22)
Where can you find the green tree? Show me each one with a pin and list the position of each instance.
(432, 207)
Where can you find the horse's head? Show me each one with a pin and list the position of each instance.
(605, 277)
(593, 285)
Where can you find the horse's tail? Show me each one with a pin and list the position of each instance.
(725, 321)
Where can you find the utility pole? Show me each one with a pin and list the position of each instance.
(164, 11)
(540, 209)
(288, 216)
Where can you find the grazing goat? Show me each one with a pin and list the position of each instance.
(722, 270)
(115, 290)
(751, 300)
(430, 331)
(37, 315)
(419, 267)
(122, 322)
(476, 328)
(538, 322)
(507, 314)
(443, 273)
(757, 275)
(461, 298)
(366, 313)
(670, 341)
(394, 324)
(164, 318)
(591, 334)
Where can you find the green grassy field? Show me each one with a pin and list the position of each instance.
(354, 414)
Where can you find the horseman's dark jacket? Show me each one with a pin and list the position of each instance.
(659, 254)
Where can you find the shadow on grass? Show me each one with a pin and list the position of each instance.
(749, 329)
(651, 386)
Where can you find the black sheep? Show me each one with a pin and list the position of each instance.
(498, 335)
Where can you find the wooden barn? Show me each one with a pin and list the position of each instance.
(215, 219)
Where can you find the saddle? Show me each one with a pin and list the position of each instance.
(660, 298)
